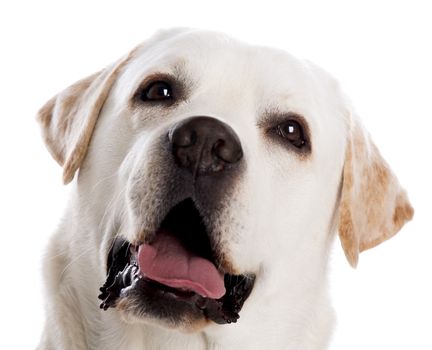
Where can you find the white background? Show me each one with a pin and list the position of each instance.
(379, 50)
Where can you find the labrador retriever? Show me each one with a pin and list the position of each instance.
(211, 178)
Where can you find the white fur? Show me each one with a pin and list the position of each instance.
(284, 214)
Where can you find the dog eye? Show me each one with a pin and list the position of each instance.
(293, 132)
(156, 91)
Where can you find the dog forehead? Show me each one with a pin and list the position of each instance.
(217, 60)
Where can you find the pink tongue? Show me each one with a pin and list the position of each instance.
(166, 261)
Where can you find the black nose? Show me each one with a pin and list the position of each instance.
(204, 145)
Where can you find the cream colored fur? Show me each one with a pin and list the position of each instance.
(282, 219)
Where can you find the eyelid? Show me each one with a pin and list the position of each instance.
(153, 78)
(166, 89)
(271, 121)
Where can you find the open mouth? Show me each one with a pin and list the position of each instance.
(177, 266)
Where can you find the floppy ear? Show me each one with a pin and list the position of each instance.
(68, 119)
(373, 205)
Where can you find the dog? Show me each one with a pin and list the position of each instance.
(211, 179)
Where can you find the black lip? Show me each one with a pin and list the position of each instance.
(125, 280)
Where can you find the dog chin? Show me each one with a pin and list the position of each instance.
(138, 306)
(130, 314)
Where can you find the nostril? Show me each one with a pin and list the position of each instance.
(227, 152)
(183, 137)
(193, 138)
(220, 150)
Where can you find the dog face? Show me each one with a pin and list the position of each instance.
(213, 173)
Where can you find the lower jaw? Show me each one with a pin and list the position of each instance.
(146, 301)
(221, 311)
(125, 284)
(154, 299)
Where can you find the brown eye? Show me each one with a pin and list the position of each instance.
(293, 132)
(156, 91)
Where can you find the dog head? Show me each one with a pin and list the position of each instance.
(211, 172)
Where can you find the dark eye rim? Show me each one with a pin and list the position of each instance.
(177, 91)
(279, 130)
(272, 124)
(152, 84)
